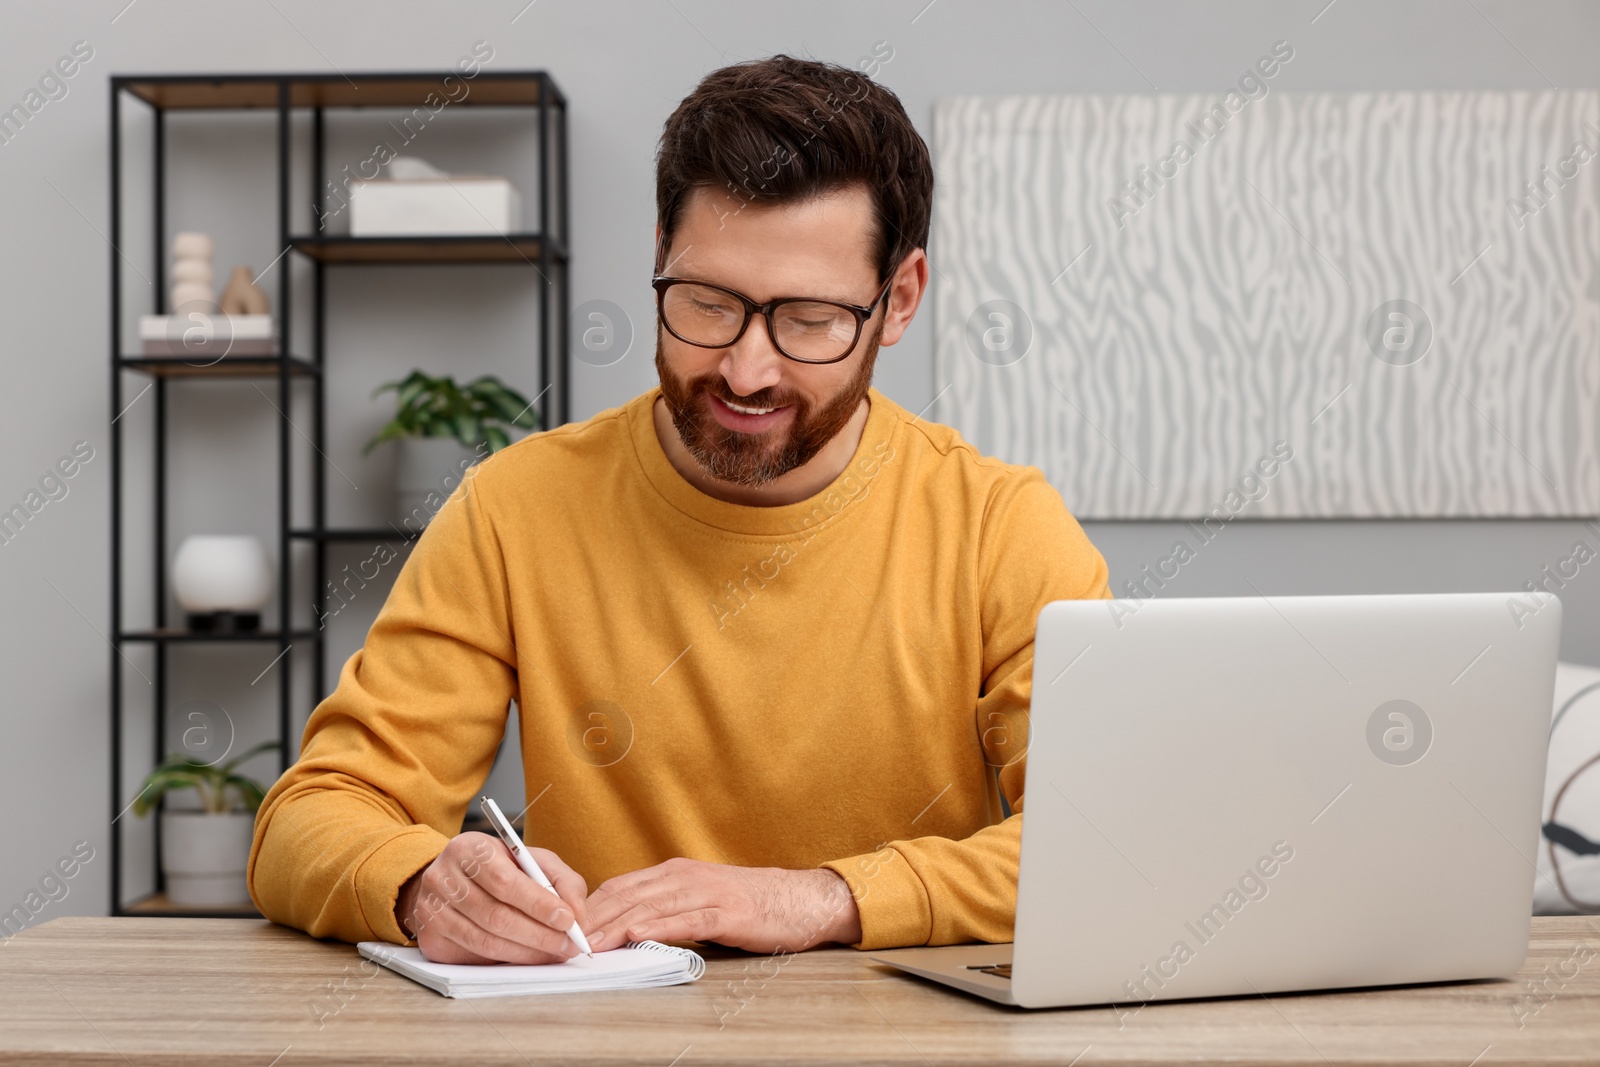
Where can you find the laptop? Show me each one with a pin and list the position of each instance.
(1242, 795)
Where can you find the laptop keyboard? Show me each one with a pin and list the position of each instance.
(999, 970)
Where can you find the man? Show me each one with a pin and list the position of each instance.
(770, 634)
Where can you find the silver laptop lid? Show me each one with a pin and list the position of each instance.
(1237, 795)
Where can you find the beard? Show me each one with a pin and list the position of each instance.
(755, 459)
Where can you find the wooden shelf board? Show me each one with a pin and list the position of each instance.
(203, 92)
(174, 634)
(227, 367)
(159, 904)
(466, 248)
(376, 533)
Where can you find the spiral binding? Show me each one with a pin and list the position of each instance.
(697, 962)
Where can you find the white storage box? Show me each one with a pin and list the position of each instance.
(434, 207)
(202, 336)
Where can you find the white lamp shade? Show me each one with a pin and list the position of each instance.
(220, 572)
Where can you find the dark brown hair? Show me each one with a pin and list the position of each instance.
(782, 130)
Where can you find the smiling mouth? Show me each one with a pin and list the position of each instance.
(748, 411)
(743, 410)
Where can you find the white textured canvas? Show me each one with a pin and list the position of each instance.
(1145, 324)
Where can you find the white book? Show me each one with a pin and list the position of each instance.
(639, 965)
(208, 336)
(242, 327)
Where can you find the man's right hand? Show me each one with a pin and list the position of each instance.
(473, 904)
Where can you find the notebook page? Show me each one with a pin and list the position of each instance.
(638, 965)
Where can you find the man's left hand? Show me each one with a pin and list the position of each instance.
(759, 909)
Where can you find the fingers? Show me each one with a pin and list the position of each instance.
(669, 901)
(456, 938)
(442, 933)
(499, 929)
(477, 905)
(503, 880)
(701, 924)
(653, 916)
(619, 894)
(570, 886)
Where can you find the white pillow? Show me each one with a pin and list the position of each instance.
(1574, 741)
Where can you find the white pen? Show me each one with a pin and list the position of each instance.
(525, 860)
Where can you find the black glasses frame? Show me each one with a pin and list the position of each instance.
(661, 283)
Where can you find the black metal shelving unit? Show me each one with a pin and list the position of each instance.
(544, 249)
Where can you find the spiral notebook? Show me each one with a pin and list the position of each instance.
(639, 965)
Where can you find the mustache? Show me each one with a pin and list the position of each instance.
(759, 400)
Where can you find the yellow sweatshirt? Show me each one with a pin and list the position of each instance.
(839, 682)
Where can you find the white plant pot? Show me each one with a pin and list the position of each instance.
(427, 467)
(204, 857)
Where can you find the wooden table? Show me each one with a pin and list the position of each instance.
(209, 991)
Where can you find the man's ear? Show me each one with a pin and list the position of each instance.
(905, 295)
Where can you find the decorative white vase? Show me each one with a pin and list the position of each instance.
(222, 581)
(192, 274)
(427, 467)
(204, 856)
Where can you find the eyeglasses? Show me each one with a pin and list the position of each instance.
(802, 329)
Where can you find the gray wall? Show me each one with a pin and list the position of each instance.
(624, 66)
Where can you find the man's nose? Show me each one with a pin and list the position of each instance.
(752, 363)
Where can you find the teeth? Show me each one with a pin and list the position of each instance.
(748, 411)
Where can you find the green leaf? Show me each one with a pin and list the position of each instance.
(181, 762)
(469, 431)
(159, 783)
(413, 388)
(389, 432)
(265, 746)
(211, 782)
(506, 405)
(480, 412)
(249, 792)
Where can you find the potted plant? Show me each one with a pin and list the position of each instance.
(204, 853)
(441, 428)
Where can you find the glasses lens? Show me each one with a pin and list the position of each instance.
(815, 331)
(701, 314)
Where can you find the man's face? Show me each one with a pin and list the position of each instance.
(820, 248)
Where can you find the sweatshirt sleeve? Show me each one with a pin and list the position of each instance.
(390, 759)
(938, 891)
